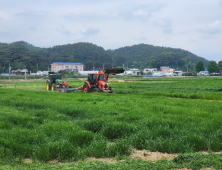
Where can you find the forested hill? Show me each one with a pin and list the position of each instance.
(20, 57)
(154, 56)
(136, 56)
(27, 45)
(87, 53)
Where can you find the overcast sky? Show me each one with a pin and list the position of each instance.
(193, 25)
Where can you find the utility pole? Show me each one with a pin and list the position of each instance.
(25, 72)
(9, 68)
(37, 68)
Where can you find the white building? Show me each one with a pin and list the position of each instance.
(87, 72)
(203, 73)
(179, 73)
(158, 74)
(152, 70)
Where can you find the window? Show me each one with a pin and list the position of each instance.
(101, 77)
(94, 76)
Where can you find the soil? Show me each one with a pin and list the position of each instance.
(151, 156)
(145, 155)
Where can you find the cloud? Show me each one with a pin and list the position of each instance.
(135, 10)
(165, 24)
(213, 28)
(91, 32)
(5, 35)
(140, 37)
(182, 24)
(64, 31)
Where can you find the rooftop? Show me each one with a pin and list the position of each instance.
(68, 63)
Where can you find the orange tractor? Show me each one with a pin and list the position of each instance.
(99, 82)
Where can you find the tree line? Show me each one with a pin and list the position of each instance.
(212, 66)
(24, 55)
(17, 56)
(144, 55)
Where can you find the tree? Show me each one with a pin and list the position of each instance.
(199, 66)
(149, 73)
(89, 65)
(220, 66)
(212, 67)
(151, 62)
(120, 59)
(140, 64)
(18, 65)
(135, 64)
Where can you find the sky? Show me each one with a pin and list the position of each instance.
(192, 25)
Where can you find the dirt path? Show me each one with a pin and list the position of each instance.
(145, 155)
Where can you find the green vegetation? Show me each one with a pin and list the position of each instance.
(191, 161)
(220, 66)
(199, 66)
(143, 55)
(21, 54)
(213, 67)
(173, 115)
(27, 45)
(20, 57)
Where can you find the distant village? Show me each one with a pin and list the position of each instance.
(78, 68)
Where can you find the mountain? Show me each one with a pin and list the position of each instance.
(27, 45)
(91, 55)
(20, 57)
(136, 56)
(153, 56)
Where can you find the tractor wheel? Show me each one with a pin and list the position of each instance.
(86, 88)
(48, 86)
(53, 87)
(111, 90)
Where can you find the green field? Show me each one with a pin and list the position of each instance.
(173, 115)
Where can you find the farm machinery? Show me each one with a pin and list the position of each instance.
(54, 83)
(96, 82)
(99, 82)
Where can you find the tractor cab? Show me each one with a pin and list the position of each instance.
(92, 78)
(101, 77)
(54, 77)
(55, 82)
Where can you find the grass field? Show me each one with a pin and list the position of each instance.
(173, 115)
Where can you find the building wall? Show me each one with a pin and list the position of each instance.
(149, 69)
(165, 69)
(57, 67)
